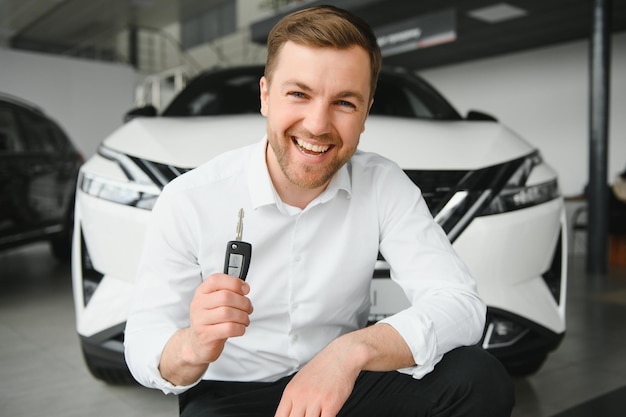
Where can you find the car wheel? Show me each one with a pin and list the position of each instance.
(526, 366)
(61, 243)
(61, 246)
(107, 373)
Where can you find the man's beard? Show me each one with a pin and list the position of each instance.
(305, 176)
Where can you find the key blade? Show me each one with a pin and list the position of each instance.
(239, 232)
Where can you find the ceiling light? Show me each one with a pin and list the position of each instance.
(497, 13)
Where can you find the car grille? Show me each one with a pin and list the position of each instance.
(437, 186)
(161, 174)
(454, 198)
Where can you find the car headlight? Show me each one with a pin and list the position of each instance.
(492, 190)
(140, 190)
(518, 194)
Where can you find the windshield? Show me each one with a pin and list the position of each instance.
(236, 91)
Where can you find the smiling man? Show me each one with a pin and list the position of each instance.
(316, 105)
(292, 340)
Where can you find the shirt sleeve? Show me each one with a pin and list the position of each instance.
(167, 277)
(446, 311)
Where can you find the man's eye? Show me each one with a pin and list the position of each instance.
(344, 103)
(296, 94)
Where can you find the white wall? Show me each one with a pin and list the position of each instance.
(87, 98)
(543, 94)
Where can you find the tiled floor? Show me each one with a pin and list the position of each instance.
(591, 361)
(42, 372)
(41, 367)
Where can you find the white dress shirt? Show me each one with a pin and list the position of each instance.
(310, 269)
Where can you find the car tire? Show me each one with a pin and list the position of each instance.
(61, 246)
(61, 243)
(108, 373)
(526, 366)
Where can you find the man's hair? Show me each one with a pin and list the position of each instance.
(324, 27)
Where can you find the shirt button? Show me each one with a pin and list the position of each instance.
(294, 338)
(297, 258)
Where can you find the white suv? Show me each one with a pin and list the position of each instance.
(489, 189)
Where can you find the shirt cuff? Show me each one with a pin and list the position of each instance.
(156, 380)
(144, 358)
(418, 335)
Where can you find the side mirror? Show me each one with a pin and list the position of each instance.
(478, 115)
(146, 111)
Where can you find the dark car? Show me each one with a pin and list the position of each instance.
(38, 171)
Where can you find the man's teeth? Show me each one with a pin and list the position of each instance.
(311, 147)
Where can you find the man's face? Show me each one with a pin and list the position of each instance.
(316, 105)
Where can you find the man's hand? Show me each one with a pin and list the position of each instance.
(323, 385)
(219, 310)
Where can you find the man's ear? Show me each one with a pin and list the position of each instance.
(367, 115)
(264, 87)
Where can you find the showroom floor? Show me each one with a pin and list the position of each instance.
(42, 372)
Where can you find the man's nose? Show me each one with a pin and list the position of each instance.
(317, 119)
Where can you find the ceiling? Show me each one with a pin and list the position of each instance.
(545, 22)
(67, 26)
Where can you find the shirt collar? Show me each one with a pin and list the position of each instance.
(341, 181)
(262, 190)
(259, 182)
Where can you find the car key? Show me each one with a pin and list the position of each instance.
(238, 253)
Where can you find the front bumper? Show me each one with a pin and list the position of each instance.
(108, 239)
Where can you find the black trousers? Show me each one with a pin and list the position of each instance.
(467, 382)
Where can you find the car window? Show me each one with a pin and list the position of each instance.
(392, 99)
(40, 133)
(399, 94)
(406, 95)
(227, 95)
(10, 140)
(61, 140)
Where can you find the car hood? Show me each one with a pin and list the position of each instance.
(413, 144)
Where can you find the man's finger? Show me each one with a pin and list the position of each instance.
(221, 281)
